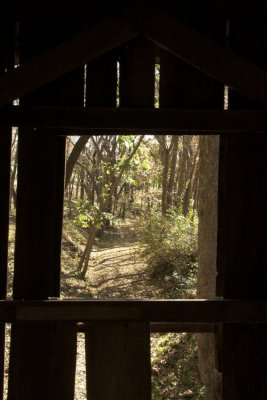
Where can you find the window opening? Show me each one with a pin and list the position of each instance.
(118, 85)
(85, 85)
(80, 372)
(140, 248)
(157, 86)
(226, 88)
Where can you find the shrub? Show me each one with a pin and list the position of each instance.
(170, 249)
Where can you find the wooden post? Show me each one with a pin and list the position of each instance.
(5, 152)
(115, 367)
(183, 86)
(42, 356)
(137, 74)
(7, 42)
(242, 230)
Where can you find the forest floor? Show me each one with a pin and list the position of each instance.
(117, 270)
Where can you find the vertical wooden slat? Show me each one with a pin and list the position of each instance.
(101, 81)
(37, 210)
(137, 74)
(5, 152)
(101, 86)
(242, 228)
(185, 87)
(7, 42)
(42, 358)
(242, 257)
(118, 354)
(117, 361)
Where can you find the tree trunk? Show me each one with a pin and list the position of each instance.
(182, 172)
(74, 155)
(165, 182)
(189, 189)
(174, 153)
(13, 178)
(84, 261)
(207, 239)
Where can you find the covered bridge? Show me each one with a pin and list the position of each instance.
(202, 48)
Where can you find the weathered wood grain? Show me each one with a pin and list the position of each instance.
(70, 120)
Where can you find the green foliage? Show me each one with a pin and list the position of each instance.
(170, 249)
(88, 215)
(175, 373)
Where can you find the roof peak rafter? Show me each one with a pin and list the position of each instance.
(157, 26)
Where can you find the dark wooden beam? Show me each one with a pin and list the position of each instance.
(206, 55)
(7, 32)
(242, 229)
(165, 327)
(118, 361)
(69, 55)
(5, 157)
(28, 10)
(137, 73)
(42, 371)
(181, 327)
(134, 119)
(196, 311)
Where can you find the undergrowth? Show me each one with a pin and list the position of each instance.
(175, 373)
(170, 249)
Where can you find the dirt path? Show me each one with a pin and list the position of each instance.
(117, 270)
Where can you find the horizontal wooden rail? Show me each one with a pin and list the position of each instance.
(161, 327)
(186, 311)
(134, 120)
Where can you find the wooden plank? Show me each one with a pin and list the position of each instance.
(183, 86)
(46, 371)
(101, 81)
(25, 10)
(5, 157)
(137, 73)
(36, 275)
(118, 361)
(6, 63)
(72, 119)
(35, 348)
(161, 327)
(185, 311)
(34, 254)
(242, 228)
(181, 327)
(206, 55)
(69, 55)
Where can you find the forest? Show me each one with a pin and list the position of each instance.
(132, 211)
